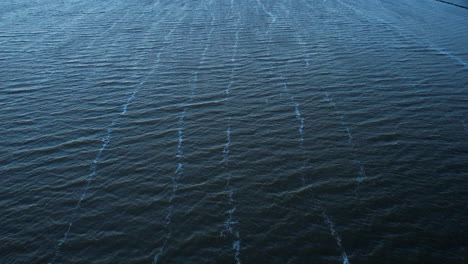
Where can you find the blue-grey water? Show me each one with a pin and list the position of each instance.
(233, 131)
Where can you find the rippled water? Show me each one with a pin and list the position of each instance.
(243, 131)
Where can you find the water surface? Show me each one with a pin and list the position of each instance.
(243, 131)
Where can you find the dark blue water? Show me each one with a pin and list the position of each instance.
(243, 131)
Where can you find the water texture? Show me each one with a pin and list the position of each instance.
(233, 131)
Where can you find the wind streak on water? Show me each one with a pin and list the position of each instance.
(327, 219)
(93, 167)
(175, 181)
(413, 38)
(175, 185)
(179, 172)
(301, 140)
(296, 110)
(362, 172)
(268, 40)
(337, 237)
(271, 15)
(230, 221)
(329, 223)
(300, 119)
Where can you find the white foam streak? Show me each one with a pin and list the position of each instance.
(337, 237)
(213, 18)
(297, 112)
(93, 167)
(273, 17)
(180, 166)
(448, 54)
(230, 222)
(180, 139)
(350, 137)
(413, 38)
(228, 88)
(362, 174)
(236, 247)
(327, 219)
(227, 145)
(132, 96)
(180, 151)
(303, 44)
(178, 173)
(168, 219)
(301, 121)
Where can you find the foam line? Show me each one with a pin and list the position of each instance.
(94, 165)
(236, 246)
(180, 139)
(337, 237)
(230, 222)
(350, 137)
(175, 187)
(326, 218)
(92, 173)
(179, 172)
(297, 112)
(413, 38)
(301, 121)
(362, 173)
(273, 17)
(227, 145)
(448, 54)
